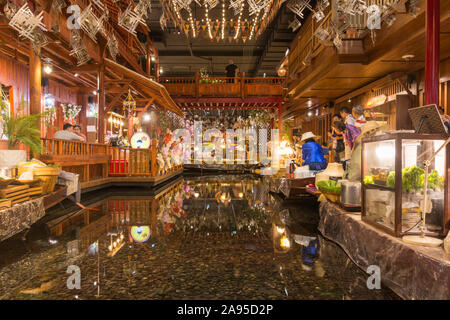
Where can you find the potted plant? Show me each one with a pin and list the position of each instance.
(19, 128)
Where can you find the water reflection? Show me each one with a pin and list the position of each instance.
(221, 237)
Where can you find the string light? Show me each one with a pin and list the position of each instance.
(223, 20)
(239, 21)
(253, 25)
(208, 22)
(191, 20)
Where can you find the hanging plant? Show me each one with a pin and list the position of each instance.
(70, 110)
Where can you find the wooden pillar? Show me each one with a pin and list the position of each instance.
(432, 59)
(157, 70)
(153, 157)
(130, 129)
(149, 60)
(242, 88)
(83, 101)
(101, 103)
(280, 119)
(197, 88)
(35, 82)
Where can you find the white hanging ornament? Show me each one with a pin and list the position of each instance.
(299, 6)
(113, 46)
(91, 24)
(25, 22)
(10, 9)
(129, 20)
(163, 21)
(58, 5)
(295, 24)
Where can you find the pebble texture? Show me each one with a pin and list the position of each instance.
(211, 251)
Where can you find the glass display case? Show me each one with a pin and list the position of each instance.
(393, 181)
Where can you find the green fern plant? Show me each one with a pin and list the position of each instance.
(21, 127)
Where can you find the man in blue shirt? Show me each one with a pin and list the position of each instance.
(312, 153)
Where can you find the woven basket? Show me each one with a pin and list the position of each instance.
(48, 176)
(333, 197)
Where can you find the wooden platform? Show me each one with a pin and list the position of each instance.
(111, 181)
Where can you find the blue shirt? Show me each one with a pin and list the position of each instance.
(312, 154)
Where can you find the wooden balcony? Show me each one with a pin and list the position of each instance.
(223, 87)
(98, 164)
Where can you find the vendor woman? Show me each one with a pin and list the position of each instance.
(312, 153)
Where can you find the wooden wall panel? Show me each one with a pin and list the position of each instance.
(15, 74)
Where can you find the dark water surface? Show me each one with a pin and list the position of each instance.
(220, 237)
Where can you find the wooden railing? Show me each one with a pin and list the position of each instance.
(132, 162)
(58, 147)
(127, 162)
(89, 160)
(242, 86)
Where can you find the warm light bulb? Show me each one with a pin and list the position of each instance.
(280, 230)
(284, 242)
(48, 69)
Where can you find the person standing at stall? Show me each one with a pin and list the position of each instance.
(312, 153)
(358, 114)
(338, 140)
(351, 131)
(347, 116)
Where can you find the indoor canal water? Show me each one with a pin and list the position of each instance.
(198, 237)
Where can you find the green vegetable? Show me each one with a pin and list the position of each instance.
(391, 180)
(413, 179)
(369, 180)
(329, 186)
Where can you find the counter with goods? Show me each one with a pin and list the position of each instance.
(393, 181)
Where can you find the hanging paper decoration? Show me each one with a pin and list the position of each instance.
(58, 5)
(295, 24)
(129, 105)
(113, 46)
(91, 24)
(70, 111)
(163, 21)
(10, 9)
(29, 26)
(129, 20)
(262, 8)
(298, 6)
(78, 47)
(254, 6)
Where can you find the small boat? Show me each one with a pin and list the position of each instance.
(292, 188)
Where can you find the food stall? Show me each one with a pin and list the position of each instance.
(393, 182)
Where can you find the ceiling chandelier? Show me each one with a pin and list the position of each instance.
(220, 20)
(129, 105)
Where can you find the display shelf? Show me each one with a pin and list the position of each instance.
(401, 157)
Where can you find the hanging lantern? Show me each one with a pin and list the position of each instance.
(129, 105)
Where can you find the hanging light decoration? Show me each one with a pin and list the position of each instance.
(129, 105)
(184, 14)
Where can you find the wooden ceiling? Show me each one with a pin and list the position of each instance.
(84, 78)
(332, 75)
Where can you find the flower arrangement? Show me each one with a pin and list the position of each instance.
(70, 110)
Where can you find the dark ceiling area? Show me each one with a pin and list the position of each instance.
(183, 56)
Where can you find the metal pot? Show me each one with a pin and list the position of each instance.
(351, 193)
